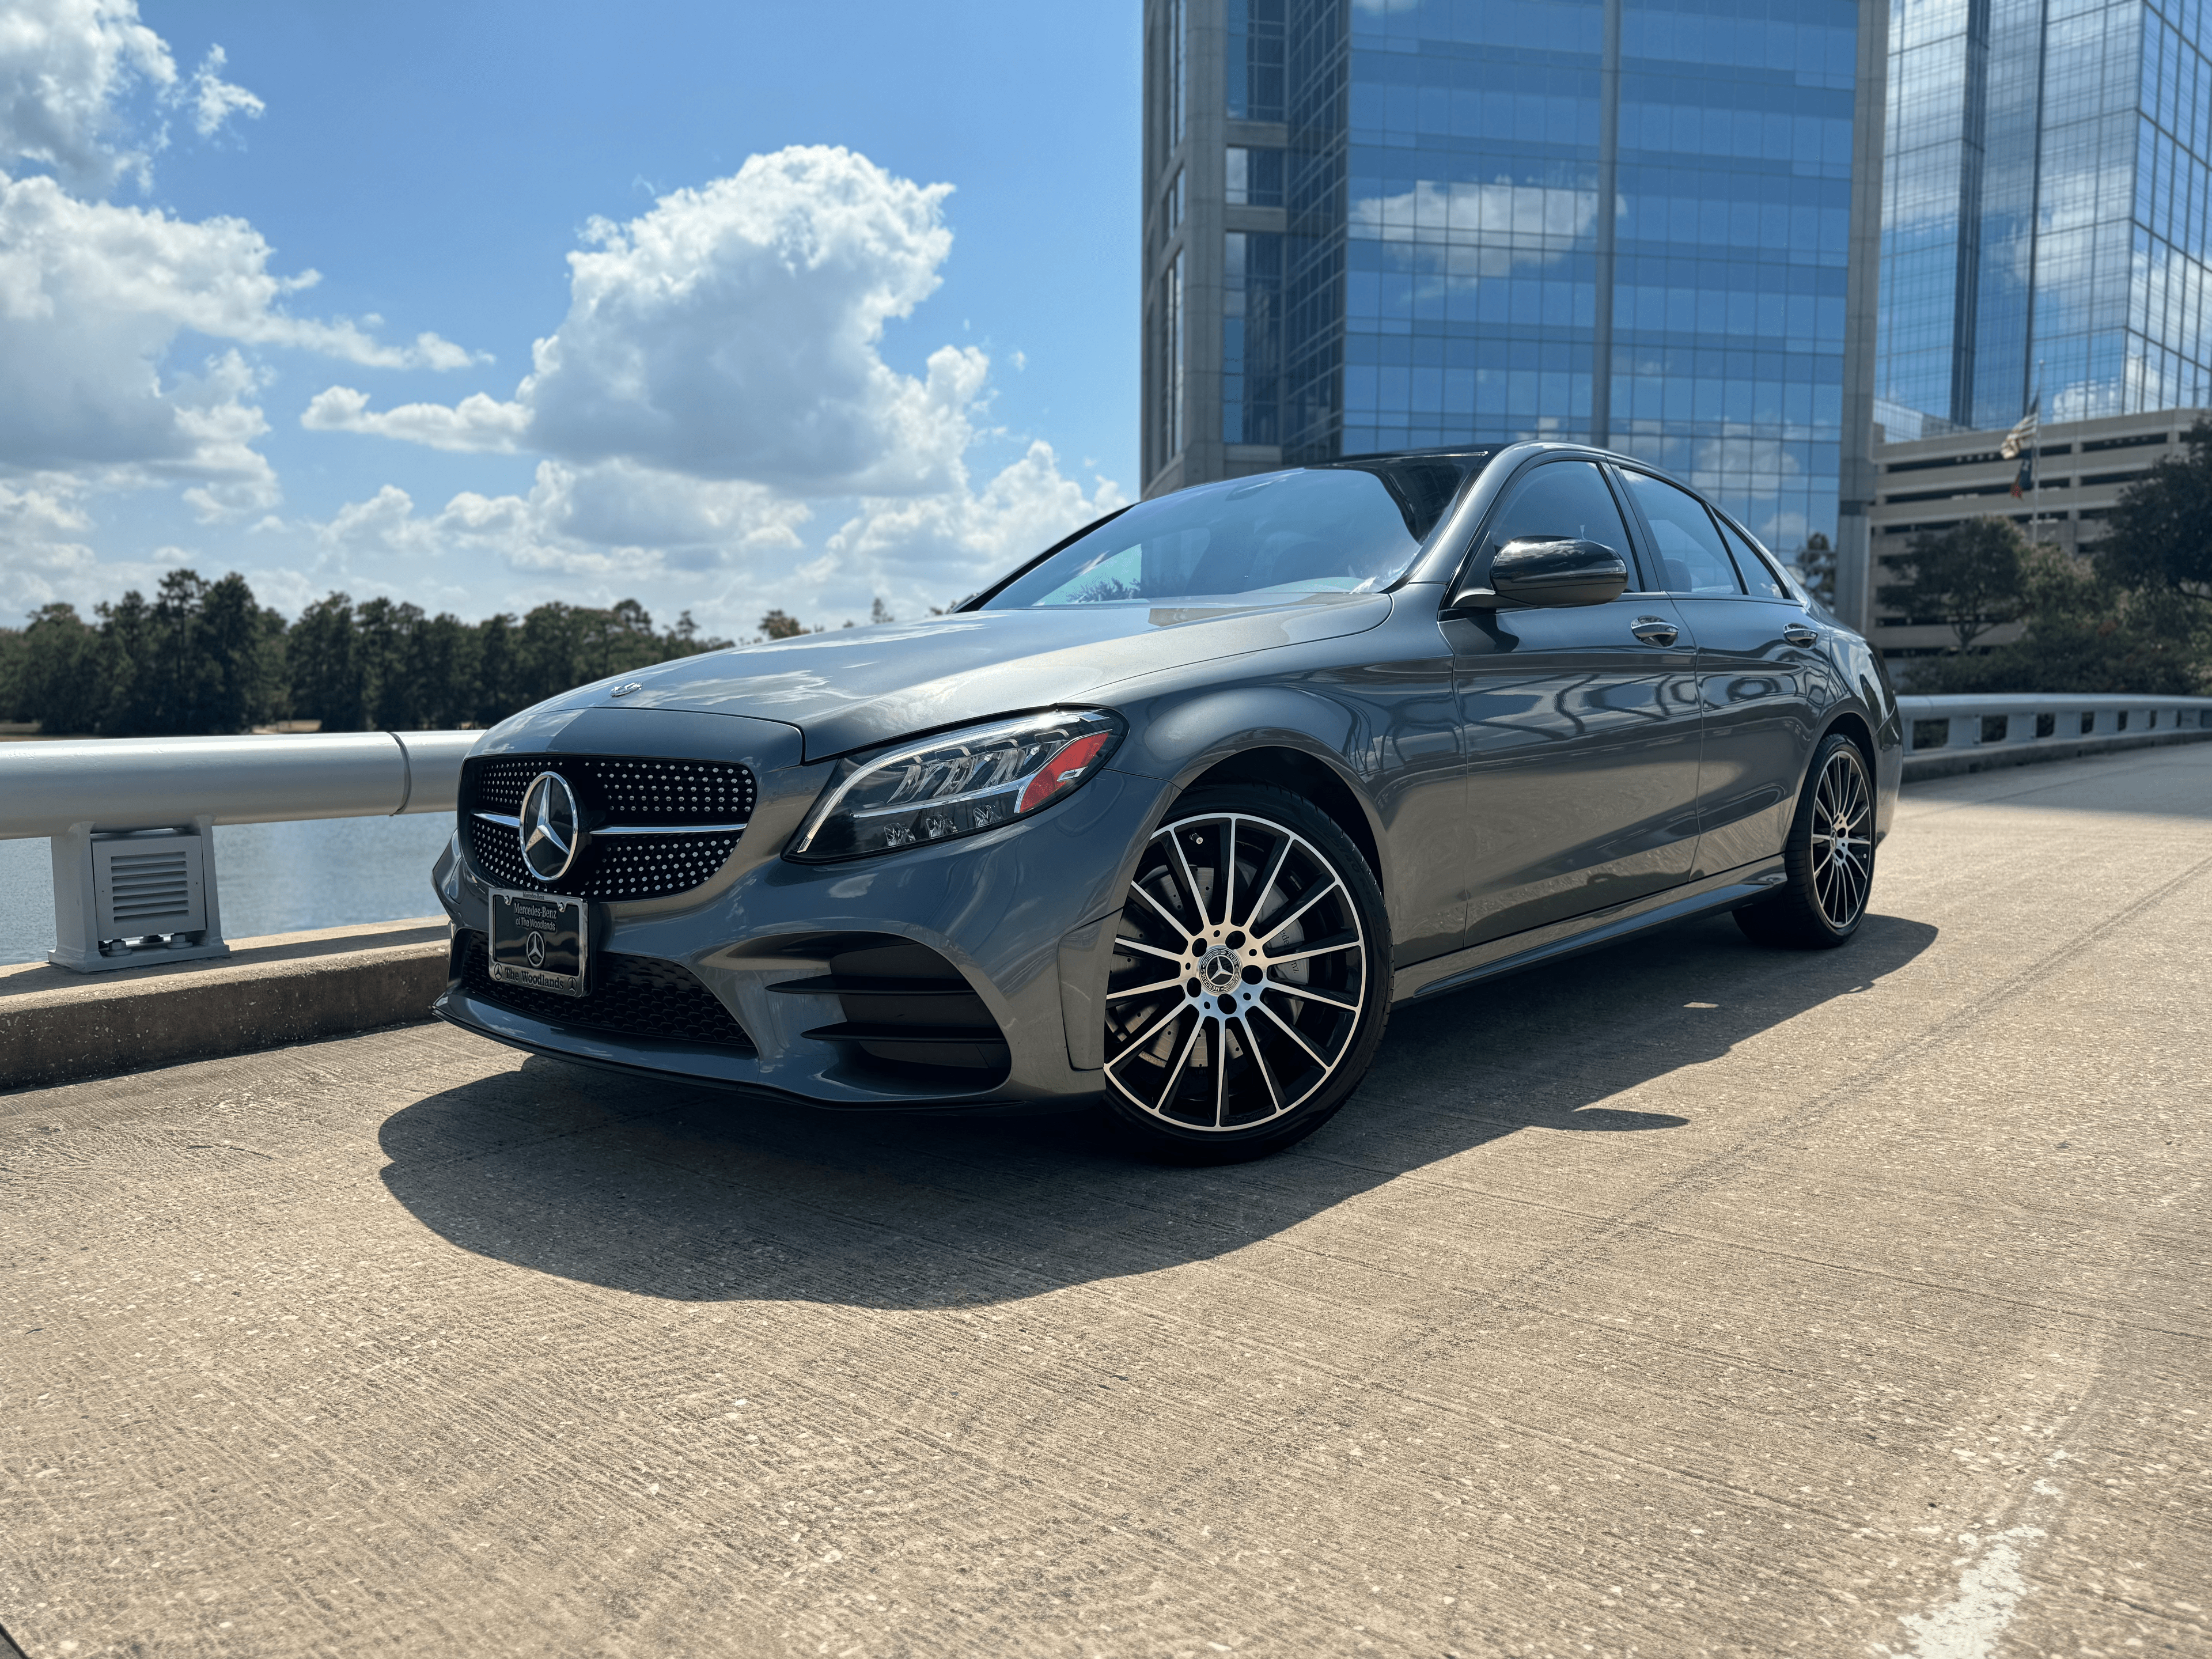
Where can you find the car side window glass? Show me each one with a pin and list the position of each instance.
(1567, 500)
(1758, 575)
(1691, 558)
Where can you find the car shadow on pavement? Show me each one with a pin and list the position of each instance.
(699, 1196)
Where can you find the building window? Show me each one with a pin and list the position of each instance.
(1175, 203)
(1255, 66)
(1171, 368)
(1178, 68)
(1251, 338)
(1255, 177)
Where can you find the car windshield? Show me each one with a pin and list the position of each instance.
(1341, 529)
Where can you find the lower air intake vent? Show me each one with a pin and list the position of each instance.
(908, 1010)
(635, 996)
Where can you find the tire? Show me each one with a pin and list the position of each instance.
(1829, 857)
(1294, 1005)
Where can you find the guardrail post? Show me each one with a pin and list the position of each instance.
(126, 897)
(1965, 731)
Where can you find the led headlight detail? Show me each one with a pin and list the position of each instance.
(957, 783)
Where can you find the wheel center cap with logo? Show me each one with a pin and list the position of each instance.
(551, 831)
(1219, 969)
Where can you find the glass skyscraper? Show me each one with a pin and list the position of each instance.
(2046, 212)
(1373, 224)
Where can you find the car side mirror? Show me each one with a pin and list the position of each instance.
(1548, 570)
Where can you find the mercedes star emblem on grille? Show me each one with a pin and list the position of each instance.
(551, 836)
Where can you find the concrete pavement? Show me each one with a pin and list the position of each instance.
(1685, 1298)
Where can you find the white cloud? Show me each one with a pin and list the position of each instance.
(477, 422)
(1461, 234)
(718, 374)
(215, 101)
(94, 296)
(69, 69)
(64, 64)
(733, 332)
(44, 558)
(967, 537)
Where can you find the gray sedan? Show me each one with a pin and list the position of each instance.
(1174, 815)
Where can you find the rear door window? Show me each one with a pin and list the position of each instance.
(1692, 557)
(1759, 578)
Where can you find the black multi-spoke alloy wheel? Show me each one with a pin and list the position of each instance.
(1829, 857)
(1250, 981)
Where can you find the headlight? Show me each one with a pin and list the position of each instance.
(956, 784)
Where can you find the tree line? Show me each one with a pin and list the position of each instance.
(2132, 613)
(203, 657)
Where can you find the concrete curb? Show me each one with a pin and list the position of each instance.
(57, 1026)
(1946, 763)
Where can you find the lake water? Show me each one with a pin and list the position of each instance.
(271, 878)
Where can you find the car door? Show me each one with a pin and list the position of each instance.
(1759, 673)
(1580, 726)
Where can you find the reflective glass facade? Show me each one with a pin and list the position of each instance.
(2044, 219)
(1627, 220)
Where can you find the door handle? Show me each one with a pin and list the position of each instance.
(1654, 630)
(1798, 634)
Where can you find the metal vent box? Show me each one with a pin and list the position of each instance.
(149, 884)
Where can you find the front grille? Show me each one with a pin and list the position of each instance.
(613, 790)
(631, 867)
(626, 789)
(636, 996)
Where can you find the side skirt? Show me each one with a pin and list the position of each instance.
(1726, 891)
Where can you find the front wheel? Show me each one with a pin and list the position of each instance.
(1250, 979)
(1829, 857)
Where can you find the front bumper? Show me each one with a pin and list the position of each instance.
(1023, 915)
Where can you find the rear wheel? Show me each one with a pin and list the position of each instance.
(1829, 857)
(1250, 980)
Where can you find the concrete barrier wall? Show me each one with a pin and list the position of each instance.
(57, 1026)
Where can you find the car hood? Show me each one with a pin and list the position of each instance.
(857, 687)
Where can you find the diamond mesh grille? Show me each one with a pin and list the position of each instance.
(612, 790)
(636, 996)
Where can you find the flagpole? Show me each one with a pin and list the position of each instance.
(2035, 463)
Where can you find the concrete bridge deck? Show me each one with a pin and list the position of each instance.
(1685, 1298)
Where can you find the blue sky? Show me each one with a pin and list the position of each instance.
(778, 433)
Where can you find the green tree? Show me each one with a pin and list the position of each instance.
(61, 683)
(2086, 631)
(325, 683)
(2160, 535)
(240, 645)
(441, 669)
(496, 696)
(1972, 576)
(777, 626)
(548, 648)
(1816, 567)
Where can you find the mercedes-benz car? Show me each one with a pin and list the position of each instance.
(1174, 815)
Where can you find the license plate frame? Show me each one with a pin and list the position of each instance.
(541, 940)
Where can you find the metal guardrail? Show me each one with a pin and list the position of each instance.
(1956, 724)
(131, 821)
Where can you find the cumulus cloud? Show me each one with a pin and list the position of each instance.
(968, 536)
(477, 422)
(44, 557)
(69, 69)
(64, 67)
(734, 332)
(719, 375)
(95, 294)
